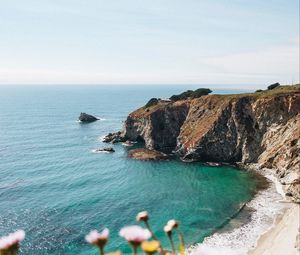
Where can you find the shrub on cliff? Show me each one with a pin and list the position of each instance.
(152, 101)
(273, 86)
(200, 92)
(183, 95)
(191, 94)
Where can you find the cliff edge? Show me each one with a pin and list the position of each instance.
(261, 128)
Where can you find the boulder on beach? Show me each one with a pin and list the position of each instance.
(146, 154)
(86, 118)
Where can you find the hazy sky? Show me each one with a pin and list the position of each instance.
(235, 42)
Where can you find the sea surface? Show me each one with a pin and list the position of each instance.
(57, 189)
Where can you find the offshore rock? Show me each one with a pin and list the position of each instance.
(86, 118)
(105, 149)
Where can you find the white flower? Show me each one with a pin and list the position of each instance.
(94, 237)
(6, 242)
(135, 234)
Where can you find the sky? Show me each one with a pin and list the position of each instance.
(232, 43)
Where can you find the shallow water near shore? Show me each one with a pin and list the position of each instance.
(242, 232)
(54, 187)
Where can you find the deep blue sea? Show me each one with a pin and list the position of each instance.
(54, 187)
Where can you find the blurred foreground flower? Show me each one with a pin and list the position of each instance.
(98, 239)
(114, 253)
(150, 247)
(168, 230)
(138, 236)
(142, 216)
(173, 224)
(9, 245)
(135, 235)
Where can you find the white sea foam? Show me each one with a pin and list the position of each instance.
(126, 144)
(101, 138)
(267, 205)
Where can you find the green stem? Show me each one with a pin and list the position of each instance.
(172, 243)
(181, 238)
(154, 237)
(148, 227)
(101, 249)
(134, 249)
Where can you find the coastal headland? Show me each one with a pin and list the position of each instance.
(257, 131)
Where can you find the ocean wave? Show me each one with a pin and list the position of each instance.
(266, 206)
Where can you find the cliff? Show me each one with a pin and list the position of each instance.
(257, 128)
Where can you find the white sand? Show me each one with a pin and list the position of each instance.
(283, 238)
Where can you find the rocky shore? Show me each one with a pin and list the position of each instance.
(260, 130)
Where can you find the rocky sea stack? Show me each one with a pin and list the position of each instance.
(254, 128)
(86, 118)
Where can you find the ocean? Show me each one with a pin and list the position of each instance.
(57, 189)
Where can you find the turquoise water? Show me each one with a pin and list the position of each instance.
(55, 188)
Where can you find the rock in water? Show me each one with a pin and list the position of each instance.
(105, 149)
(114, 138)
(86, 118)
(146, 154)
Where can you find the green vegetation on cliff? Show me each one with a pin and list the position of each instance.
(191, 94)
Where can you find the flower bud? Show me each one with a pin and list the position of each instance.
(142, 216)
(173, 223)
(168, 229)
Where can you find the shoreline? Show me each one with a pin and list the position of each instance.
(269, 219)
(282, 237)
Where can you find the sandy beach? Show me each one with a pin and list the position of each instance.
(283, 238)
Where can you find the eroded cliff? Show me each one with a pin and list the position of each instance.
(261, 128)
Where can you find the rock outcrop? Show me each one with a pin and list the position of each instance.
(158, 126)
(261, 128)
(146, 154)
(105, 149)
(114, 138)
(86, 118)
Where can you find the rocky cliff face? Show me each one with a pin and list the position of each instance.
(261, 128)
(158, 126)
